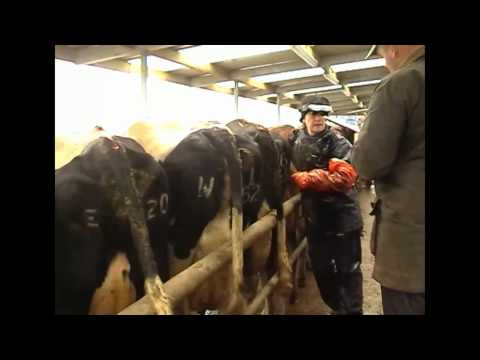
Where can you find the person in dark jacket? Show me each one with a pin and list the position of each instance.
(334, 224)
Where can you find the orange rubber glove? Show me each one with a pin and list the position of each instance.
(341, 176)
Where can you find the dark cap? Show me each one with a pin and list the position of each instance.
(315, 100)
(315, 103)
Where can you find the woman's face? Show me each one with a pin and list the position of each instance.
(314, 122)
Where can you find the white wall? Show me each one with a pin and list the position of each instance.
(86, 96)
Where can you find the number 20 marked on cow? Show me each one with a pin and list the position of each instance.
(153, 204)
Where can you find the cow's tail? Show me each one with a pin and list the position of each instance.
(124, 177)
(224, 143)
(273, 193)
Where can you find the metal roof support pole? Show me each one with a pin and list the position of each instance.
(235, 93)
(144, 76)
(278, 107)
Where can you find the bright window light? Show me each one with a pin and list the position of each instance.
(156, 63)
(229, 84)
(363, 83)
(318, 89)
(357, 65)
(214, 53)
(290, 75)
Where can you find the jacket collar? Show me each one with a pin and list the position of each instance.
(319, 135)
(414, 56)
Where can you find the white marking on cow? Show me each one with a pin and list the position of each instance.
(153, 206)
(164, 204)
(217, 292)
(204, 190)
(91, 217)
(251, 189)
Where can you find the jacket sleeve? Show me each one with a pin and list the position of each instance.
(378, 143)
(341, 176)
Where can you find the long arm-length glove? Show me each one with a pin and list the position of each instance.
(341, 176)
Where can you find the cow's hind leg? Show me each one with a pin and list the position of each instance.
(117, 290)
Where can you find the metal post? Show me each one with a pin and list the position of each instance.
(236, 97)
(278, 107)
(144, 76)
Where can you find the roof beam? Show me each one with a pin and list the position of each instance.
(245, 74)
(69, 54)
(63, 52)
(363, 90)
(153, 47)
(362, 75)
(213, 69)
(342, 102)
(184, 60)
(96, 54)
(124, 66)
(306, 53)
(304, 81)
(274, 69)
(118, 65)
(302, 86)
(351, 106)
(330, 75)
(346, 91)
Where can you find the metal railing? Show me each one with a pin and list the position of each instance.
(184, 283)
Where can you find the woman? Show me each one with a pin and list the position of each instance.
(332, 213)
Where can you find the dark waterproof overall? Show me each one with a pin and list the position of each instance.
(334, 224)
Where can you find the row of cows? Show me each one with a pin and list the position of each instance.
(133, 211)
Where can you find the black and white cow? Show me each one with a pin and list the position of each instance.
(111, 226)
(263, 178)
(203, 170)
(205, 181)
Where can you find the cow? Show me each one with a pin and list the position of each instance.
(206, 185)
(295, 223)
(111, 200)
(263, 189)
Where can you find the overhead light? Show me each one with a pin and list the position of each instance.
(363, 83)
(205, 54)
(157, 63)
(229, 84)
(357, 65)
(318, 89)
(287, 75)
